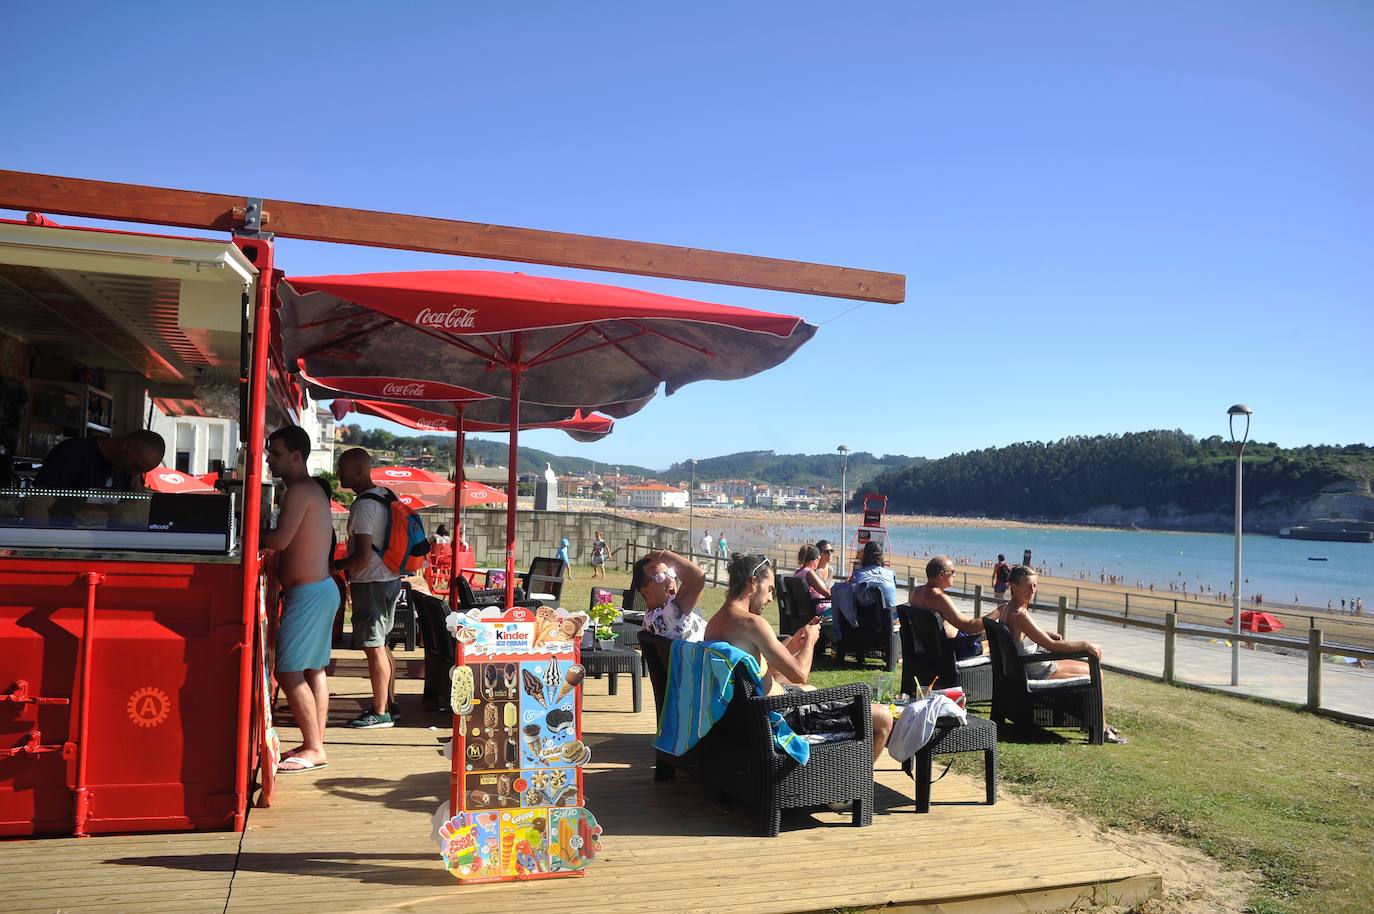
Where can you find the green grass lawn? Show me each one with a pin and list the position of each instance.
(1284, 794)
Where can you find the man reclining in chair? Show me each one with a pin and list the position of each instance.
(784, 665)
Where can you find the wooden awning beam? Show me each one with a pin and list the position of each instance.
(195, 210)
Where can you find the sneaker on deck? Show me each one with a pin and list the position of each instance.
(372, 721)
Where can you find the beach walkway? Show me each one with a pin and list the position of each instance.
(355, 837)
(1200, 661)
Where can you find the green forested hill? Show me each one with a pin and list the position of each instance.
(1155, 471)
(791, 469)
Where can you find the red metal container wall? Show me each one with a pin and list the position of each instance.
(164, 694)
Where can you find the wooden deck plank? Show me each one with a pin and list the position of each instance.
(354, 837)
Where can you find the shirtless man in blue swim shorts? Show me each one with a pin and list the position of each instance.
(310, 598)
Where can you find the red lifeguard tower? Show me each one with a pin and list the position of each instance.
(871, 526)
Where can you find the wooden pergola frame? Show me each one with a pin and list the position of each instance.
(82, 197)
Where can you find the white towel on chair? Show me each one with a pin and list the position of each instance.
(914, 728)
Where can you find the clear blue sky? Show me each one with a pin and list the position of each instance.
(1112, 217)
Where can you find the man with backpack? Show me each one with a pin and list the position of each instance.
(373, 586)
(1001, 575)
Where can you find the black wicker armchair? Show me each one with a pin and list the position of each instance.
(1029, 702)
(738, 757)
(927, 654)
(875, 633)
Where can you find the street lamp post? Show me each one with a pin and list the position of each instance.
(844, 497)
(691, 507)
(1240, 409)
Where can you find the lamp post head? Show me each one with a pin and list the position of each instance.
(1240, 409)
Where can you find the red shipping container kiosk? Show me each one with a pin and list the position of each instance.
(517, 751)
(134, 682)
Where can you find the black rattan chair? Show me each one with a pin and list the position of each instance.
(874, 634)
(1030, 703)
(927, 653)
(738, 758)
(544, 577)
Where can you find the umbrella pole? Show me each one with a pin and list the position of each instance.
(517, 351)
(458, 443)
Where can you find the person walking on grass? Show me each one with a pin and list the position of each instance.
(1027, 635)
(373, 587)
(704, 547)
(600, 553)
(303, 540)
(562, 554)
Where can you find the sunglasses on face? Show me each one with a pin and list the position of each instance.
(661, 577)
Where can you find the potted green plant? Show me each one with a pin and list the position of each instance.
(603, 616)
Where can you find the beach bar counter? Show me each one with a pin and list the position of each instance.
(133, 687)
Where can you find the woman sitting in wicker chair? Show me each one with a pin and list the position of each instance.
(1029, 636)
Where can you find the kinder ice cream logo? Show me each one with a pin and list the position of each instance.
(455, 319)
(403, 390)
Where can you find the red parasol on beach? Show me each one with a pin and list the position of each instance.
(474, 493)
(411, 481)
(415, 502)
(528, 339)
(1252, 620)
(336, 508)
(162, 479)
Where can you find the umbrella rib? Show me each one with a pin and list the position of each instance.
(629, 355)
(547, 354)
(710, 354)
(377, 325)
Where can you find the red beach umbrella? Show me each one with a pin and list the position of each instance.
(474, 493)
(411, 481)
(528, 339)
(1255, 621)
(162, 479)
(336, 508)
(415, 502)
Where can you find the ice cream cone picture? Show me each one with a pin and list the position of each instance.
(533, 738)
(534, 686)
(545, 625)
(571, 680)
(551, 677)
(507, 848)
(462, 691)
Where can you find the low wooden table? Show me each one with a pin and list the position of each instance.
(950, 736)
(614, 661)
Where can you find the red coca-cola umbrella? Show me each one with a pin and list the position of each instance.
(411, 481)
(413, 404)
(162, 479)
(528, 339)
(1252, 620)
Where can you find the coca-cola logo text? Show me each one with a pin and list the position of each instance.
(454, 319)
(440, 425)
(398, 389)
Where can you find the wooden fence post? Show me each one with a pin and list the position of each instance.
(1063, 614)
(1314, 669)
(977, 602)
(1170, 640)
(1128, 611)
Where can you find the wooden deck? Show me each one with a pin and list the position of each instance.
(355, 837)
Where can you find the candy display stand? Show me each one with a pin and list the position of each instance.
(517, 754)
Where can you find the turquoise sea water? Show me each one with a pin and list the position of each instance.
(1277, 568)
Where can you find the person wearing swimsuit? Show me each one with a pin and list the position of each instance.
(1029, 636)
(740, 622)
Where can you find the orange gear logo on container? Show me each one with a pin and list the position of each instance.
(148, 706)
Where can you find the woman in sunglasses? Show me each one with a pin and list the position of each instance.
(670, 587)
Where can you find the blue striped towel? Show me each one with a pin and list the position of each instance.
(700, 686)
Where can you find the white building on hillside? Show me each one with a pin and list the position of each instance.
(654, 495)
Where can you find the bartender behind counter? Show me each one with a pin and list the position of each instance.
(96, 463)
(102, 463)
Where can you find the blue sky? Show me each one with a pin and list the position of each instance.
(1111, 217)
